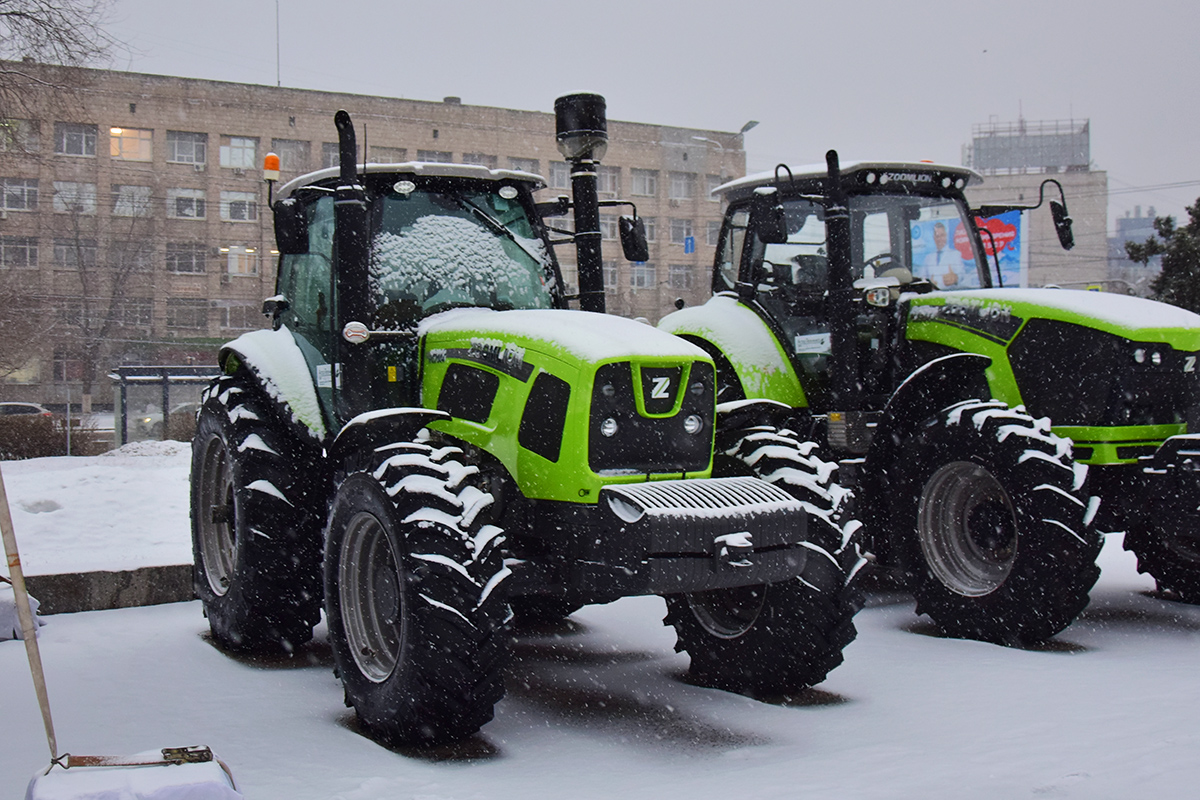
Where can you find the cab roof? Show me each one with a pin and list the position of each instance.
(812, 172)
(425, 168)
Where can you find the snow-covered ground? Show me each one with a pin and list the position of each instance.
(598, 708)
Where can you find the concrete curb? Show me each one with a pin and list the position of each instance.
(99, 591)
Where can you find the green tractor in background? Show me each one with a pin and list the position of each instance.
(429, 441)
(978, 425)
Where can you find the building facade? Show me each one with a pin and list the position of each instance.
(1014, 159)
(134, 211)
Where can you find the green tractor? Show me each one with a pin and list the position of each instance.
(429, 442)
(967, 417)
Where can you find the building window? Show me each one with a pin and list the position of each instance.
(651, 224)
(713, 181)
(570, 276)
(712, 235)
(482, 159)
(560, 175)
(73, 139)
(184, 147)
(531, 165)
(130, 144)
(186, 204)
(293, 154)
(681, 229)
(74, 198)
(136, 311)
(66, 366)
(436, 156)
(18, 252)
(19, 136)
(237, 152)
(683, 185)
(610, 275)
(641, 276)
(135, 255)
(330, 155)
(241, 316)
(645, 182)
(240, 260)
(239, 206)
(608, 227)
(608, 181)
(389, 155)
(186, 313)
(186, 257)
(679, 276)
(19, 194)
(74, 253)
(130, 201)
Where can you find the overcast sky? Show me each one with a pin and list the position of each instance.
(874, 79)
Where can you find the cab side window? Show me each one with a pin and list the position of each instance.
(306, 279)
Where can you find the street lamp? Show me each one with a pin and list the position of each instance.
(748, 126)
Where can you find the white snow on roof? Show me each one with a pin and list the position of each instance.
(436, 169)
(583, 334)
(809, 171)
(1121, 310)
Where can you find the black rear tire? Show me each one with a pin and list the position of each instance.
(985, 504)
(414, 597)
(784, 637)
(257, 510)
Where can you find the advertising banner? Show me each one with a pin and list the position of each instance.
(942, 251)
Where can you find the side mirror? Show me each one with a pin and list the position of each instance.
(553, 208)
(291, 227)
(633, 239)
(1062, 224)
(767, 219)
(273, 307)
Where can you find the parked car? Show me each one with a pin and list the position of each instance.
(20, 409)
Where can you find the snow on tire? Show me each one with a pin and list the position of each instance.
(414, 597)
(787, 636)
(986, 504)
(257, 511)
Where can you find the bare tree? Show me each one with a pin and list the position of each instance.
(22, 328)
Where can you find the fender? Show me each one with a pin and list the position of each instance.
(375, 428)
(932, 387)
(279, 367)
(726, 327)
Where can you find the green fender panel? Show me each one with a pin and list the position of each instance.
(747, 343)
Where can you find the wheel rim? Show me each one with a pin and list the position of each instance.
(370, 597)
(967, 529)
(215, 527)
(728, 613)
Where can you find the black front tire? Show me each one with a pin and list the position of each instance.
(985, 504)
(414, 597)
(1165, 535)
(784, 637)
(257, 510)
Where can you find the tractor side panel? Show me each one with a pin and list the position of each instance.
(740, 335)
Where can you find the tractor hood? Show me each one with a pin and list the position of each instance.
(1001, 312)
(568, 336)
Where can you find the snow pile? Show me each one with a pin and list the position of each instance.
(10, 623)
(204, 781)
(122, 510)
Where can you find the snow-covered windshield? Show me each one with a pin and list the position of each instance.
(929, 236)
(434, 250)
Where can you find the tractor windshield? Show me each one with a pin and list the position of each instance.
(929, 237)
(439, 249)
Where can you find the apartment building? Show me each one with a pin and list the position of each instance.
(133, 211)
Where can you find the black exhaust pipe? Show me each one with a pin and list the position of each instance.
(582, 134)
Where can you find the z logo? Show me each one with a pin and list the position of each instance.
(1189, 364)
(662, 388)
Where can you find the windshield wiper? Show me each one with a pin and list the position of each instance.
(496, 225)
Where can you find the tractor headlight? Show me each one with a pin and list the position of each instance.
(608, 427)
(693, 424)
